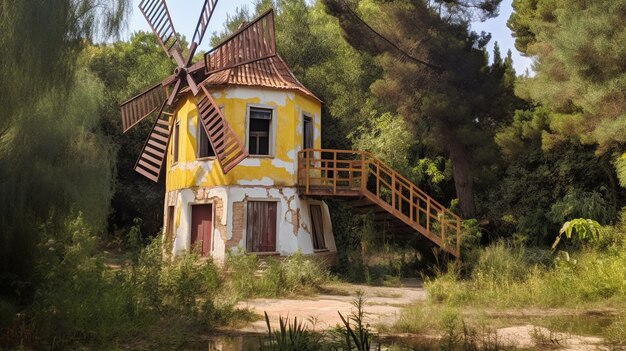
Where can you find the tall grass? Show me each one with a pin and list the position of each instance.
(513, 276)
(249, 276)
(353, 334)
(82, 303)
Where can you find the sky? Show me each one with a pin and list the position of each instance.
(185, 16)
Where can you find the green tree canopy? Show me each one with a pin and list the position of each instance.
(435, 75)
(579, 53)
(52, 160)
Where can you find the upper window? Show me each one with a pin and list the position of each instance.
(260, 131)
(204, 146)
(307, 132)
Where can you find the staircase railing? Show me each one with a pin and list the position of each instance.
(326, 172)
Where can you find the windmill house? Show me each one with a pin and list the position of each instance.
(237, 140)
(226, 139)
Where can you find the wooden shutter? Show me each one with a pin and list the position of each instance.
(318, 227)
(261, 226)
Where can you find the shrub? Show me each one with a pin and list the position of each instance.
(511, 275)
(81, 302)
(249, 276)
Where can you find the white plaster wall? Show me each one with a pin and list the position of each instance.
(290, 205)
(182, 233)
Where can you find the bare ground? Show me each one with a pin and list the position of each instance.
(384, 305)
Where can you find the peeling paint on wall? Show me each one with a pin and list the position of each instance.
(238, 226)
(263, 96)
(281, 168)
(266, 181)
(250, 162)
(192, 181)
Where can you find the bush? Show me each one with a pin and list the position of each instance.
(250, 276)
(81, 302)
(511, 275)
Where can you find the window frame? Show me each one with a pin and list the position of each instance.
(175, 143)
(310, 118)
(245, 225)
(199, 130)
(321, 207)
(170, 234)
(272, 130)
(190, 205)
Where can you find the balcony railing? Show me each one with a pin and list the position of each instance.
(325, 172)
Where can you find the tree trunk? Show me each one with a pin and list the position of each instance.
(461, 171)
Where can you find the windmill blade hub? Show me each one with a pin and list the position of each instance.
(180, 72)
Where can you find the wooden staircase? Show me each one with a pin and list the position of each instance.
(374, 186)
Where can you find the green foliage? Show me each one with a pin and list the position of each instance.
(126, 69)
(541, 188)
(579, 67)
(617, 333)
(585, 230)
(82, 302)
(76, 299)
(387, 137)
(51, 154)
(456, 333)
(292, 335)
(620, 166)
(514, 276)
(57, 29)
(52, 162)
(358, 335)
(581, 204)
(452, 111)
(250, 276)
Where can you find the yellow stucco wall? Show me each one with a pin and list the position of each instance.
(278, 170)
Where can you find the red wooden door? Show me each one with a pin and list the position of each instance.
(201, 225)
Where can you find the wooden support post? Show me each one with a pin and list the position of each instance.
(428, 214)
(307, 173)
(335, 170)
(350, 170)
(411, 204)
(393, 191)
(458, 238)
(443, 229)
(377, 179)
(364, 172)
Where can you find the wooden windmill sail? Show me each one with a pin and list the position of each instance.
(253, 42)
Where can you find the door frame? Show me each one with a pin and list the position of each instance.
(245, 222)
(189, 206)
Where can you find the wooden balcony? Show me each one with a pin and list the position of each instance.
(373, 184)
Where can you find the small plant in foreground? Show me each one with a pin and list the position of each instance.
(358, 335)
(290, 336)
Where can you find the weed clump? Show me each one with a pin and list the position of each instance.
(81, 302)
(249, 276)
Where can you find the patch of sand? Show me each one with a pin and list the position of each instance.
(540, 338)
(383, 305)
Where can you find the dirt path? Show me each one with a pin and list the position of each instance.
(383, 305)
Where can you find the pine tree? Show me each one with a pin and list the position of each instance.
(434, 74)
